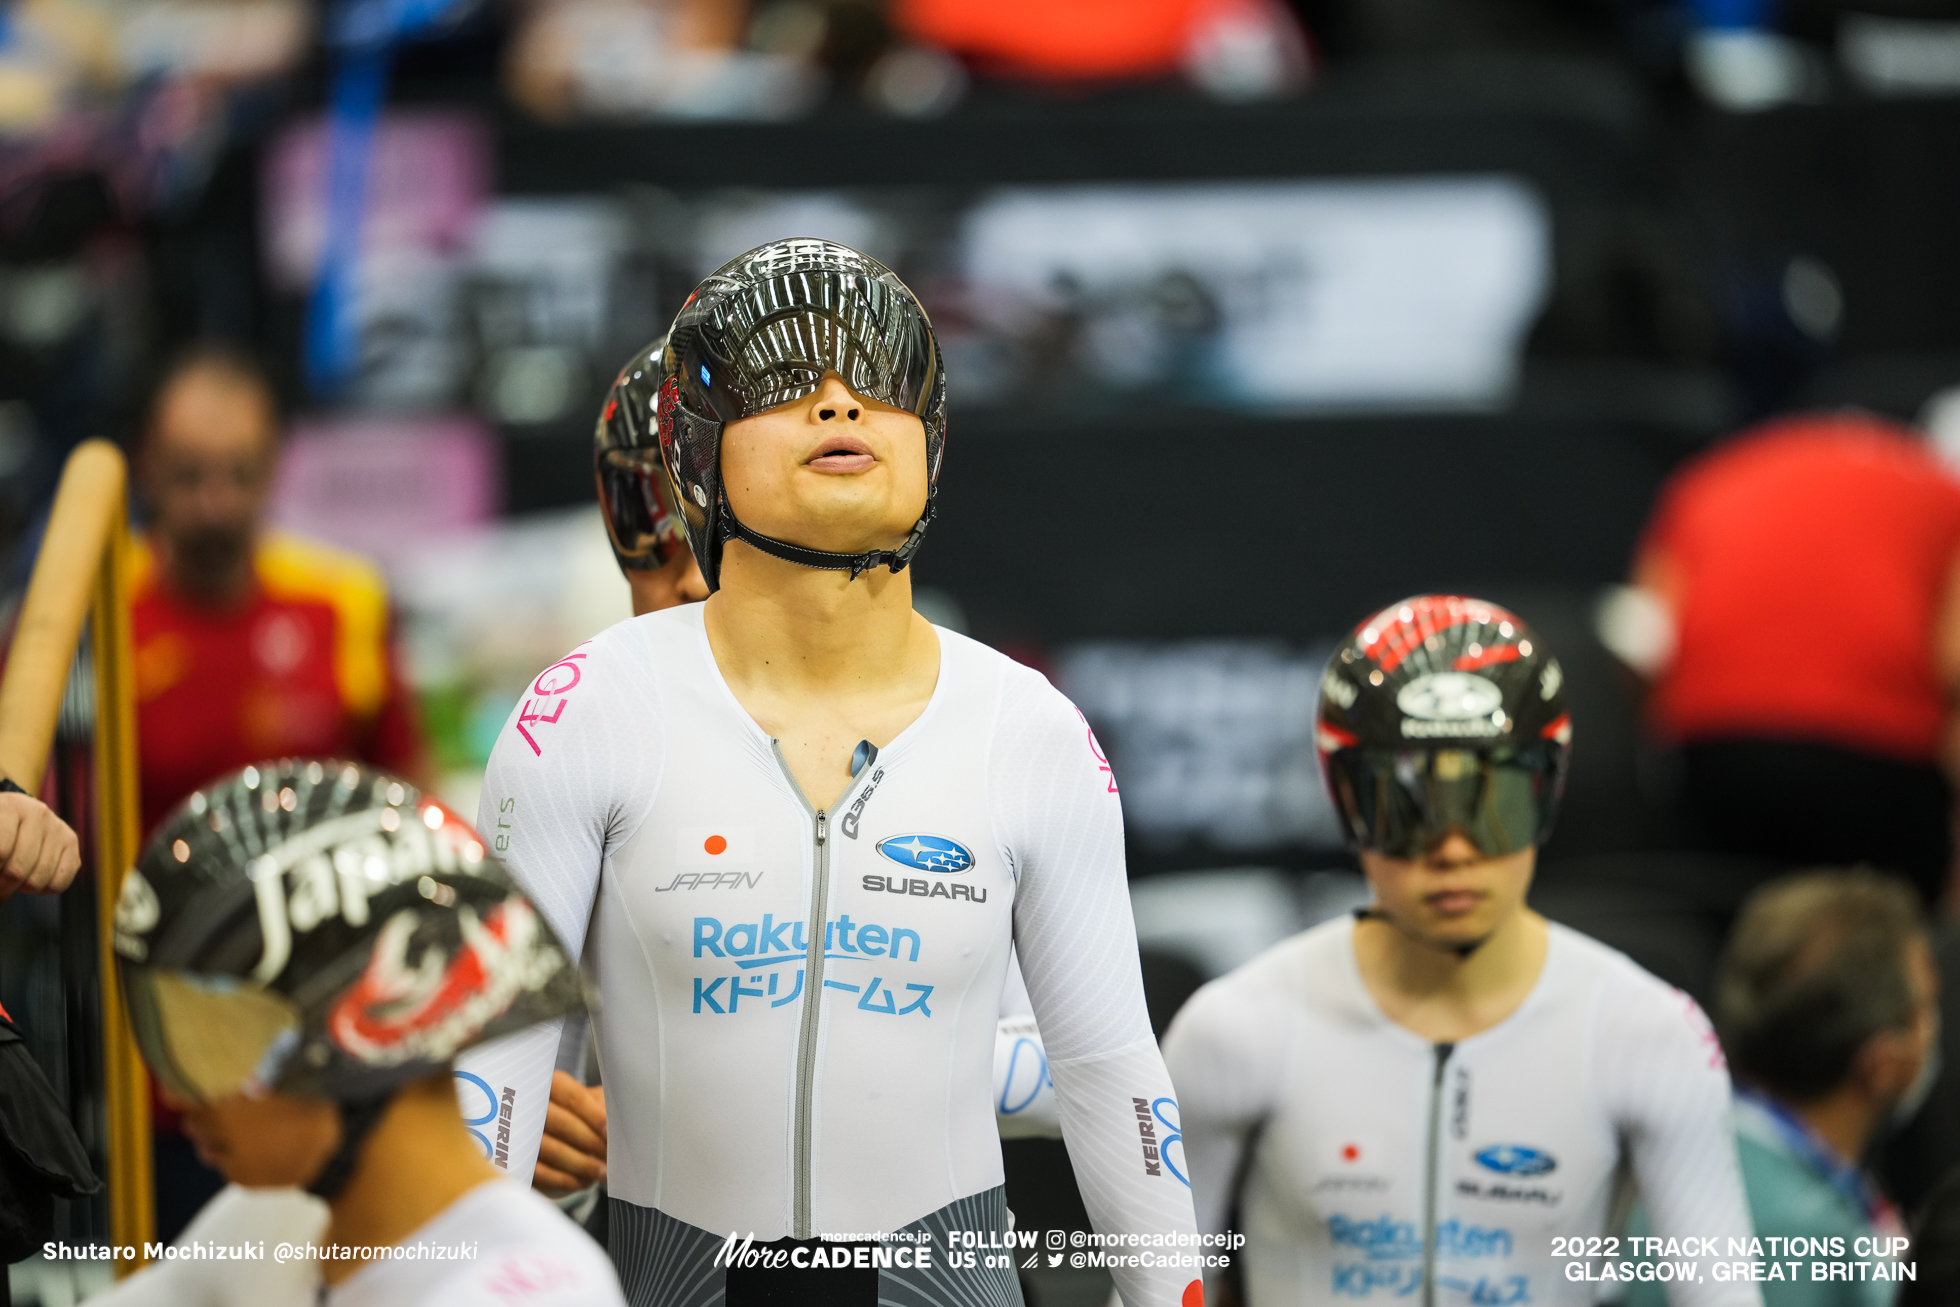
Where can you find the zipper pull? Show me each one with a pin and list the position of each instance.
(823, 826)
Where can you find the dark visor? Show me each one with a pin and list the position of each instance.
(1404, 802)
(637, 500)
(210, 1037)
(775, 343)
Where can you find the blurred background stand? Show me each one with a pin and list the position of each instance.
(1258, 316)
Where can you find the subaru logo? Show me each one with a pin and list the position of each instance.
(1516, 1159)
(926, 853)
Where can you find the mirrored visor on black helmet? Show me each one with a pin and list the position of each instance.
(774, 343)
(636, 499)
(1404, 802)
(210, 1037)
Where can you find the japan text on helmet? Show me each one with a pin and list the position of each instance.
(318, 928)
(1440, 714)
(635, 495)
(762, 331)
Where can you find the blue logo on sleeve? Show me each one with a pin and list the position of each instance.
(1516, 1159)
(926, 853)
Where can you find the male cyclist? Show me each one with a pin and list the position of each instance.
(636, 501)
(305, 946)
(799, 830)
(1435, 1099)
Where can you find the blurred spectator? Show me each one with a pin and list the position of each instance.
(1827, 1003)
(1807, 571)
(1236, 49)
(249, 644)
(633, 58)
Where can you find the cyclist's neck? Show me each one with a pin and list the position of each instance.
(1445, 993)
(789, 624)
(820, 661)
(418, 1160)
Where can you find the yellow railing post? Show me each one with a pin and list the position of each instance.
(81, 572)
(132, 1215)
(87, 504)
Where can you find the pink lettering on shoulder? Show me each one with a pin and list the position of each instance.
(552, 690)
(1704, 1030)
(522, 1276)
(1102, 759)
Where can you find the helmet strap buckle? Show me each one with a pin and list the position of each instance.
(358, 1118)
(826, 559)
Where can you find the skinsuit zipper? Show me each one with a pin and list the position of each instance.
(806, 1043)
(1432, 1166)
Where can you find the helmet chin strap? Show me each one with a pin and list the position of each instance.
(357, 1122)
(855, 564)
(1462, 951)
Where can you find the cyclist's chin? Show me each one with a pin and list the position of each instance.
(1457, 921)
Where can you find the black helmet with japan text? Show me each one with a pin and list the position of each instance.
(763, 330)
(1443, 713)
(321, 929)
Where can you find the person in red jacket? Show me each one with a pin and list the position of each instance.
(249, 643)
(1811, 571)
(1098, 40)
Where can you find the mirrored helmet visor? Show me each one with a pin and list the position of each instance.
(210, 1037)
(1404, 802)
(774, 343)
(636, 500)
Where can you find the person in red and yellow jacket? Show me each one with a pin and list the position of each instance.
(249, 644)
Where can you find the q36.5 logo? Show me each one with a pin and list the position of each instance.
(927, 853)
(480, 1106)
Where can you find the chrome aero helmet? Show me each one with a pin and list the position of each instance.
(762, 331)
(635, 495)
(1438, 714)
(320, 929)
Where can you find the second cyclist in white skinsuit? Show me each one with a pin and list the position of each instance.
(1439, 1100)
(800, 1044)
(1350, 1130)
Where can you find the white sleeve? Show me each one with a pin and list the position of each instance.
(1060, 824)
(160, 1284)
(1224, 1052)
(1662, 1074)
(542, 1276)
(1024, 1092)
(253, 1219)
(571, 777)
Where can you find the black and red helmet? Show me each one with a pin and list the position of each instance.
(636, 496)
(1444, 713)
(318, 928)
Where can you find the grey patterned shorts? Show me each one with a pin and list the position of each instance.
(663, 1262)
